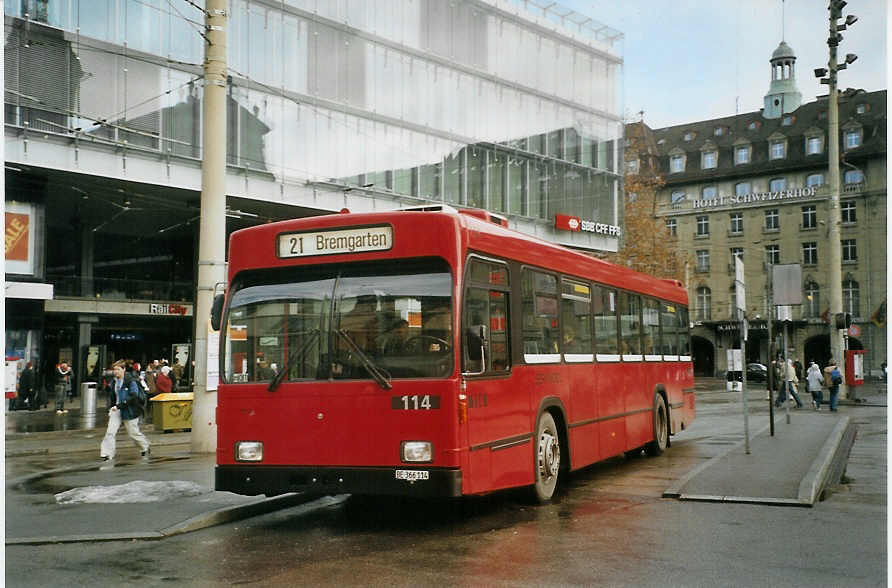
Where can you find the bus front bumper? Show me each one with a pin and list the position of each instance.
(252, 480)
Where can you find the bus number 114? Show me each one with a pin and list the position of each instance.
(415, 402)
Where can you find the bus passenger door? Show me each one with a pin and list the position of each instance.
(498, 450)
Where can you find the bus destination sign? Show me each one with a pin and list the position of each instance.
(336, 241)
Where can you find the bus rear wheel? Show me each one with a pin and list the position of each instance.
(661, 428)
(548, 458)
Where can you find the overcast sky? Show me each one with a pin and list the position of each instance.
(690, 60)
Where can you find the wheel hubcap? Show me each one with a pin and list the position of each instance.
(549, 455)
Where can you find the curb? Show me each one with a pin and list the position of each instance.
(814, 480)
(219, 516)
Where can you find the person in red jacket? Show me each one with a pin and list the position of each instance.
(162, 381)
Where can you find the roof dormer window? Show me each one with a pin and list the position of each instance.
(754, 126)
(788, 120)
(862, 108)
(689, 135)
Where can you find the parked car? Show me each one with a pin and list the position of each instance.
(756, 372)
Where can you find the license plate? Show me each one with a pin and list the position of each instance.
(412, 475)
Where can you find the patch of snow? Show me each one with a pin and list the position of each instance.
(136, 491)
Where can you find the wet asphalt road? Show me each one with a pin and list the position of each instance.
(608, 526)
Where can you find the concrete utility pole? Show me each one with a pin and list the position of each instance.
(212, 227)
(835, 270)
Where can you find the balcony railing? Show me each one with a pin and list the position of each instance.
(120, 288)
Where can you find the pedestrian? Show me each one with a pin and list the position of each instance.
(777, 380)
(127, 408)
(162, 381)
(62, 381)
(27, 389)
(814, 382)
(151, 371)
(798, 365)
(832, 378)
(791, 382)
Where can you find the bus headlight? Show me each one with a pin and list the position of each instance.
(249, 451)
(417, 451)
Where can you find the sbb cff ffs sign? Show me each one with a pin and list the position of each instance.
(565, 222)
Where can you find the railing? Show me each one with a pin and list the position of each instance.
(120, 288)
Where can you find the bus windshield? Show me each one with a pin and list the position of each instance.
(361, 321)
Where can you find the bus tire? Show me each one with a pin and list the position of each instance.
(661, 428)
(547, 458)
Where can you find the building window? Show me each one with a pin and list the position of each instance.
(809, 217)
(772, 254)
(736, 223)
(847, 208)
(861, 108)
(702, 226)
(814, 145)
(853, 139)
(850, 297)
(743, 188)
(741, 155)
(735, 253)
(719, 131)
(854, 176)
(689, 136)
(777, 184)
(710, 159)
(677, 199)
(632, 166)
(702, 260)
(754, 126)
(849, 251)
(812, 300)
(772, 219)
(704, 304)
(810, 253)
(709, 193)
(778, 150)
(672, 226)
(676, 164)
(788, 120)
(814, 180)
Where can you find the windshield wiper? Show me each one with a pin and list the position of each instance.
(381, 376)
(312, 335)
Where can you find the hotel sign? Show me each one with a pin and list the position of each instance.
(756, 197)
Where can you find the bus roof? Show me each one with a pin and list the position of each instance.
(480, 232)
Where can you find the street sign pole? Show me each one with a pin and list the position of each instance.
(740, 295)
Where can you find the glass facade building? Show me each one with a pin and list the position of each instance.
(508, 106)
(512, 106)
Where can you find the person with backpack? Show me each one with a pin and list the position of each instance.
(833, 378)
(62, 382)
(129, 400)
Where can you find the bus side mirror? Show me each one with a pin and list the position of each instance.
(217, 311)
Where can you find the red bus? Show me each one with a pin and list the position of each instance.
(436, 352)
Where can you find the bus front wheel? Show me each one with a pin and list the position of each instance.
(548, 458)
(661, 428)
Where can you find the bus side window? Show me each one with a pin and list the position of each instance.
(630, 323)
(606, 332)
(576, 338)
(651, 319)
(670, 323)
(541, 327)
